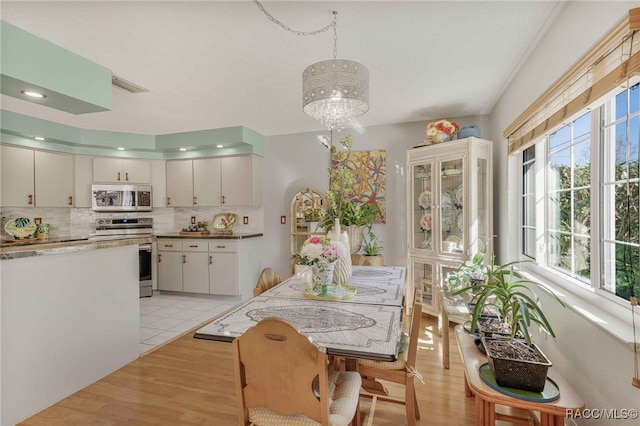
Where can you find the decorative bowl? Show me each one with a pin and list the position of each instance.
(224, 222)
(20, 228)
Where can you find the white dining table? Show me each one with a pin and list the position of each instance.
(367, 326)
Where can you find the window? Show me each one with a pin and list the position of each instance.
(569, 198)
(529, 202)
(620, 260)
(591, 190)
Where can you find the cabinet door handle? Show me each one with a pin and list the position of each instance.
(30, 199)
(184, 258)
(168, 201)
(118, 176)
(223, 197)
(159, 258)
(210, 260)
(194, 246)
(126, 176)
(71, 201)
(195, 200)
(221, 246)
(168, 245)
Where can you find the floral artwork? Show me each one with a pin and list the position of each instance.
(369, 178)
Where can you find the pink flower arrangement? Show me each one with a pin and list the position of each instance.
(441, 130)
(321, 249)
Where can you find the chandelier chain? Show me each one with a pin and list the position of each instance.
(301, 33)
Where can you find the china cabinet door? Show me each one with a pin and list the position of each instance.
(450, 220)
(422, 206)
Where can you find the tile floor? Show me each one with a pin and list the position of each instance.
(165, 316)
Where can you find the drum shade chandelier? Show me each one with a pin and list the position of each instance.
(334, 91)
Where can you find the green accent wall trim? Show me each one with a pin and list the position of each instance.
(72, 83)
(20, 129)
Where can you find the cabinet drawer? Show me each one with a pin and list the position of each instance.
(194, 245)
(170, 245)
(226, 246)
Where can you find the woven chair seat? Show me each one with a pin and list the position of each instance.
(343, 390)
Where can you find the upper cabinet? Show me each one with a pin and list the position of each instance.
(53, 179)
(36, 178)
(17, 177)
(449, 208)
(212, 182)
(119, 170)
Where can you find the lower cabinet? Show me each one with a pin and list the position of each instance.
(223, 267)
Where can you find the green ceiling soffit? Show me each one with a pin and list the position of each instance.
(72, 83)
(19, 129)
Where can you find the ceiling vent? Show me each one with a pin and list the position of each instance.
(127, 85)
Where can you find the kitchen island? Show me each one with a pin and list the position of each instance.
(69, 315)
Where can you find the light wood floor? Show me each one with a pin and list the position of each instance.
(190, 382)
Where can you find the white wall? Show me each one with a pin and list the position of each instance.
(295, 162)
(599, 366)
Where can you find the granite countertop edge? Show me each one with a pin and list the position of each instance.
(211, 236)
(18, 250)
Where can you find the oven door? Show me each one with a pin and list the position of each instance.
(144, 257)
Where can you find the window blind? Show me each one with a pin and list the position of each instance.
(610, 63)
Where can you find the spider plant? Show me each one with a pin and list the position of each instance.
(508, 292)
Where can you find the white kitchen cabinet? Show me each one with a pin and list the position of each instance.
(223, 267)
(195, 266)
(83, 176)
(211, 182)
(179, 183)
(170, 265)
(242, 181)
(158, 183)
(119, 170)
(17, 177)
(216, 266)
(206, 182)
(449, 212)
(54, 179)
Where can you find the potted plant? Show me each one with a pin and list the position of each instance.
(516, 363)
(372, 249)
(353, 216)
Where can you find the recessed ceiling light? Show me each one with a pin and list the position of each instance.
(33, 94)
(219, 146)
(38, 138)
(183, 149)
(120, 148)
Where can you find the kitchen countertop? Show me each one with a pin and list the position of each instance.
(212, 236)
(15, 249)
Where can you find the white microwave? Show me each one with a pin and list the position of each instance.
(121, 198)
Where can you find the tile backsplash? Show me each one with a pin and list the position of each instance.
(77, 222)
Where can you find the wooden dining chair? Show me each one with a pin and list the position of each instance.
(268, 278)
(402, 371)
(282, 379)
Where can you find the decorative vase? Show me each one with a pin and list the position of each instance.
(355, 238)
(322, 277)
(342, 271)
(442, 137)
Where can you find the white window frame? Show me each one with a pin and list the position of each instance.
(589, 292)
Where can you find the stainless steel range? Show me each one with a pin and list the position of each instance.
(133, 227)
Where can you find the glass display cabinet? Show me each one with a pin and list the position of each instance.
(449, 211)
